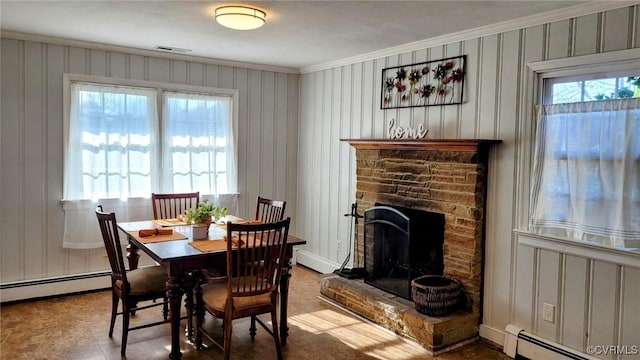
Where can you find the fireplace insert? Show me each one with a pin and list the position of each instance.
(401, 244)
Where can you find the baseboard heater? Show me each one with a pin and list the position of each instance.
(62, 285)
(523, 344)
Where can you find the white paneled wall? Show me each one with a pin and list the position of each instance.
(31, 150)
(596, 301)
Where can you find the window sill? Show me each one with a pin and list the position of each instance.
(91, 204)
(615, 256)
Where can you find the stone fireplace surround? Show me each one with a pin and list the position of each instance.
(442, 176)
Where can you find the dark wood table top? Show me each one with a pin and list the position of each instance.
(171, 250)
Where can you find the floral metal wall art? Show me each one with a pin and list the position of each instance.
(438, 82)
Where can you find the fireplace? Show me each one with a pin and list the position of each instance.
(401, 244)
(445, 179)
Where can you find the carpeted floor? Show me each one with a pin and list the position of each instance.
(76, 327)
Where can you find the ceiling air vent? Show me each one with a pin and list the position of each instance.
(171, 49)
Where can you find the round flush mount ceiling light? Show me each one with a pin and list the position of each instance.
(240, 17)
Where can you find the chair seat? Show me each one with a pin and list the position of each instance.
(146, 280)
(215, 296)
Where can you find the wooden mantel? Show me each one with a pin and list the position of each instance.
(464, 145)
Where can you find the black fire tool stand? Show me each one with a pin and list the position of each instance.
(356, 272)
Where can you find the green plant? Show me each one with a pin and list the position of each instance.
(623, 93)
(204, 212)
(219, 212)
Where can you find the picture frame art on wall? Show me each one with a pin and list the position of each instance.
(430, 83)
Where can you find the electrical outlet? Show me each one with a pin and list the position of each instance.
(548, 312)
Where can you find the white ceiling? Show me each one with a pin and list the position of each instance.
(297, 34)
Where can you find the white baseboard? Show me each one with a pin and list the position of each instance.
(494, 335)
(50, 287)
(315, 262)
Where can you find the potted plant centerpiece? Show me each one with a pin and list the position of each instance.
(219, 212)
(200, 217)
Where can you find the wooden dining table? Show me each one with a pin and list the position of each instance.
(179, 256)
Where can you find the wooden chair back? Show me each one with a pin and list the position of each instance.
(109, 230)
(268, 210)
(255, 257)
(169, 206)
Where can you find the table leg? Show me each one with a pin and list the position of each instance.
(174, 293)
(198, 312)
(132, 256)
(188, 287)
(284, 299)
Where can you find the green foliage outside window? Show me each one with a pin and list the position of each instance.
(623, 92)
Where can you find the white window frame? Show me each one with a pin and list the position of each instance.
(603, 63)
(68, 79)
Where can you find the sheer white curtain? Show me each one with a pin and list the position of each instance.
(198, 140)
(110, 144)
(113, 144)
(112, 136)
(586, 180)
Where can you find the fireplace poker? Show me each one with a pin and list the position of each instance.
(355, 272)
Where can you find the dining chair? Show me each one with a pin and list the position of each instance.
(255, 256)
(169, 206)
(268, 210)
(132, 287)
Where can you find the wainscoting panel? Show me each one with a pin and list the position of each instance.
(604, 295)
(526, 266)
(55, 257)
(574, 300)
(585, 30)
(629, 321)
(612, 22)
(547, 292)
(502, 162)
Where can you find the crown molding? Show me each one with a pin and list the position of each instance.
(143, 52)
(613, 60)
(501, 27)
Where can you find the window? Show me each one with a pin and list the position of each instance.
(197, 143)
(126, 141)
(586, 177)
(590, 88)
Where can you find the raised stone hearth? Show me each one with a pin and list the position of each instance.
(397, 314)
(442, 176)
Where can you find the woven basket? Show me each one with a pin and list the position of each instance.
(436, 295)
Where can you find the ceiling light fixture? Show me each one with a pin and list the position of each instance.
(240, 17)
